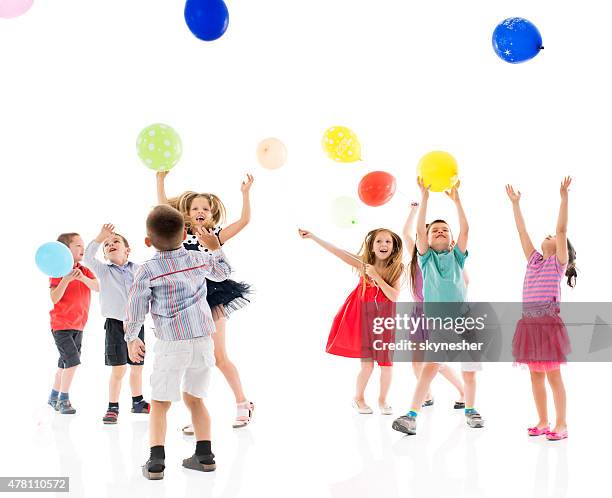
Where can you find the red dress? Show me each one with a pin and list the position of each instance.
(352, 334)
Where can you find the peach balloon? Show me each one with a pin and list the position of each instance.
(271, 153)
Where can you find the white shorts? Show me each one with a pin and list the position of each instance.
(188, 362)
(471, 366)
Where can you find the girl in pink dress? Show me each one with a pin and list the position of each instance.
(421, 335)
(380, 265)
(541, 341)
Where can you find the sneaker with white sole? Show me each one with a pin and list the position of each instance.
(474, 420)
(405, 424)
(65, 407)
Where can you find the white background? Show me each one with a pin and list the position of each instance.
(81, 78)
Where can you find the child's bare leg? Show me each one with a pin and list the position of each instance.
(228, 369)
(57, 381)
(136, 380)
(417, 368)
(66, 381)
(157, 422)
(114, 384)
(199, 416)
(449, 374)
(428, 373)
(558, 389)
(362, 381)
(538, 387)
(469, 381)
(386, 374)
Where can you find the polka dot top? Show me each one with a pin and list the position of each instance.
(191, 243)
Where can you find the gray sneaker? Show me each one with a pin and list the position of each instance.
(64, 407)
(53, 403)
(405, 424)
(474, 420)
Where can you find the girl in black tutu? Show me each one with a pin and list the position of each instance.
(206, 212)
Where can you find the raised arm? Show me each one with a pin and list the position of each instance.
(89, 258)
(347, 257)
(464, 227)
(161, 188)
(421, 243)
(233, 229)
(409, 229)
(561, 234)
(515, 198)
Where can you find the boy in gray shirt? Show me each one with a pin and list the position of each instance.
(115, 279)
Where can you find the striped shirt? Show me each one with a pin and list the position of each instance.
(173, 284)
(543, 279)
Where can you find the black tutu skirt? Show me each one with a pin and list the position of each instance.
(228, 294)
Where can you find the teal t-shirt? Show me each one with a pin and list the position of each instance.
(443, 275)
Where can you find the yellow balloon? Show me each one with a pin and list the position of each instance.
(438, 169)
(341, 144)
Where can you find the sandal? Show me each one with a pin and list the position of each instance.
(459, 405)
(386, 410)
(244, 414)
(110, 417)
(154, 469)
(362, 410)
(535, 431)
(188, 430)
(556, 436)
(193, 463)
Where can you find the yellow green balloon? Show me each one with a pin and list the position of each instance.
(341, 144)
(438, 169)
(159, 147)
(344, 212)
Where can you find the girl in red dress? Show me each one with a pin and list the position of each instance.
(379, 263)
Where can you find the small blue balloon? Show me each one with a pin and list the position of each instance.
(206, 19)
(516, 40)
(54, 259)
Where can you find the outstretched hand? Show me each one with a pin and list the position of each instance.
(453, 193)
(162, 174)
(512, 195)
(106, 231)
(424, 189)
(245, 186)
(305, 234)
(567, 181)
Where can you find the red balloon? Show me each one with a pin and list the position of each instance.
(376, 188)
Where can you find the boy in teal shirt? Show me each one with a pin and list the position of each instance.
(441, 261)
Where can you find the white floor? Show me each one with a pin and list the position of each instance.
(313, 444)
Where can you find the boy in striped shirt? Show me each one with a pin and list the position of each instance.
(173, 286)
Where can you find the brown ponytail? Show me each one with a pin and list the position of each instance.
(571, 272)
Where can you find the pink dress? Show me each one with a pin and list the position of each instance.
(540, 340)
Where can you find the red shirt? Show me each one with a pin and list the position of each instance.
(70, 312)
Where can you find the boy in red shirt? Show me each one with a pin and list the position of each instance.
(71, 296)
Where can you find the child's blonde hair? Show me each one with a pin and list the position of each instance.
(183, 204)
(394, 268)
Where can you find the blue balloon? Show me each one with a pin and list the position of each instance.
(516, 40)
(206, 19)
(54, 259)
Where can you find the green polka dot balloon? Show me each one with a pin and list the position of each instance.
(159, 147)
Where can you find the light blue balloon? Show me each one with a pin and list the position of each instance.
(54, 259)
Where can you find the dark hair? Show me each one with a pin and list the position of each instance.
(571, 273)
(123, 239)
(414, 259)
(66, 238)
(165, 227)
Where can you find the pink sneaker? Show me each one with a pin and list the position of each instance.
(535, 431)
(556, 436)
